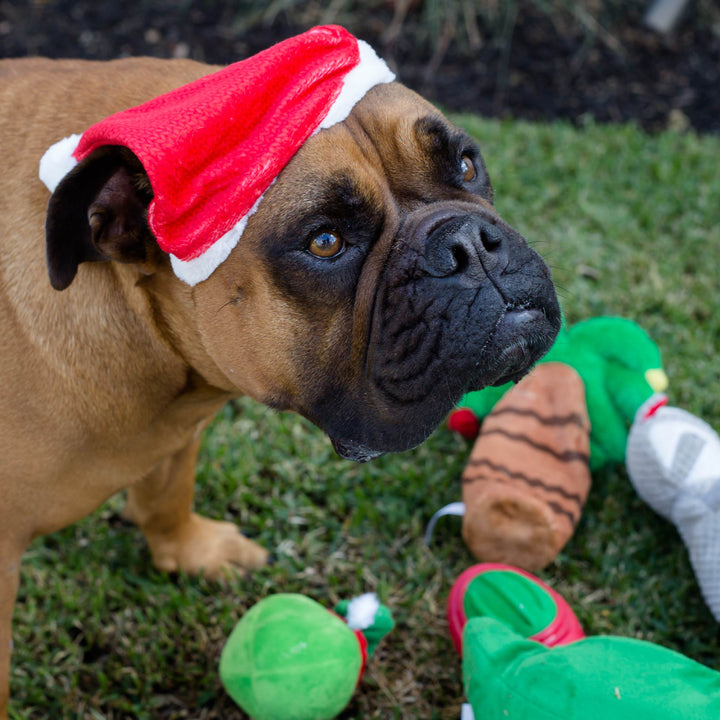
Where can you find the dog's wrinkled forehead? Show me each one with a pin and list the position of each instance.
(394, 148)
(420, 147)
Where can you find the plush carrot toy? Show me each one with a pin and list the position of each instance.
(528, 476)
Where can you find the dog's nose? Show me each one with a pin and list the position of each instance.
(466, 244)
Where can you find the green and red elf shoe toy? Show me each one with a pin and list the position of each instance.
(515, 597)
(524, 656)
(289, 658)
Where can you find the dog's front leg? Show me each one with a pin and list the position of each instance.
(9, 578)
(179, 539)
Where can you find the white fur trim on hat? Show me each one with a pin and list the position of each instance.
(370, 71)
(200, 268)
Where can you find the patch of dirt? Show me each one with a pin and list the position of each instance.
(655, 81)
(547, 70)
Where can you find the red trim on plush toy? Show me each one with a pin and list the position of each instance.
(363, 643)
(652, 409)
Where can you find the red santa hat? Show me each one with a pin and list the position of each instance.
(213, 147)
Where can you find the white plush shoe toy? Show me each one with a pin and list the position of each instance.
(673, 459)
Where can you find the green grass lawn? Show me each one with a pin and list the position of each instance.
(630, 225)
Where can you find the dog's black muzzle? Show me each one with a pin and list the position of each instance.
(462, 304)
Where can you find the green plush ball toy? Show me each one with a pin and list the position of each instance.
(289, 658)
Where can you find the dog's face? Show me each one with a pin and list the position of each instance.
(375, 284)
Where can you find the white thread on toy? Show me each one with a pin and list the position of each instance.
(669, 440)
(453, 508)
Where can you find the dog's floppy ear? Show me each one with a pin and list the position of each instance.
(98, 212)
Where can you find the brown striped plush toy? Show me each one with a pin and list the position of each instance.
(528, 475)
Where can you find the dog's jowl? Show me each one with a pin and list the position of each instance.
(334, 252)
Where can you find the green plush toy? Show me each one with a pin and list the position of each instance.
(598, 678)
(512, 671)
(289, 658)
(620, 367)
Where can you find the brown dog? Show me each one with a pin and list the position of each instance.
(108, 383)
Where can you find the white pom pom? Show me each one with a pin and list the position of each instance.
(362, 610)
(58, 161)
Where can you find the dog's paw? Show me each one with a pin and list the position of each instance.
(213, 548)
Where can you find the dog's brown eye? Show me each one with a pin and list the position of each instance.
(326, 245)
(467, 168)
